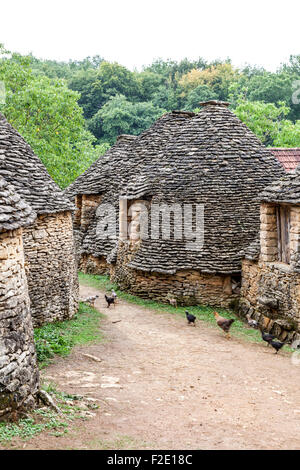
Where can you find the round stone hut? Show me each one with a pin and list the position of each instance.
(19, 377)
(199, 191)
(271, 266)
(98, 189)
(187, 207)
(48, 241)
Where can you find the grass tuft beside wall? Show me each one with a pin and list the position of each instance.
(60, 337)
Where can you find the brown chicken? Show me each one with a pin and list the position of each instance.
(223, 323)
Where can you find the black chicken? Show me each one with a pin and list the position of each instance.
(267, 337)
(190, 318)
(276, 345)
(109, 300)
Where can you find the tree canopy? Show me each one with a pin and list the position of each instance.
(71, 112)
(46, 112)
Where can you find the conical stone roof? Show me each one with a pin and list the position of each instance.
(213, 160)
(105, 173)
(25, 171)
(14, 211)
(210, 158)
(111, 173)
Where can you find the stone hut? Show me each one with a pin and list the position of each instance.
(212, 163)
(48, 241)
(19, 377)
(271, 266)
(94, 190)
(208, 162)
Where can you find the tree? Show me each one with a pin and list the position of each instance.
(201, 93)
(91, 97)
(120, 116)
(217, 77)
(149, 83)
(55, 69)
(289, 135)
(172, 70)
(114, 79)
(264, 119)
(46, 112)
(293, 66)
(267, 87)
(97, 86)
(166, 97)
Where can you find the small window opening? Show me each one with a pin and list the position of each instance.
(283, 233)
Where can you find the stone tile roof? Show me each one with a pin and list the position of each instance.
(252, 251)
(210, 158)
(109, 175)
(105, 171)
(284, 190)
(14, 211)
(213, 159)
(288, 157)
(25, 171)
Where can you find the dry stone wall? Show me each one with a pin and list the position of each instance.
(270, 290)
(51, 268)
(91, 265)
(270, 293)
(188, 287)
(19, 376)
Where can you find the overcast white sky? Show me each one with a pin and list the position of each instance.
(134, 32)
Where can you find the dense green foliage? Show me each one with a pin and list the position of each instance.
(46, 112)
(121, 116)
(71, 112)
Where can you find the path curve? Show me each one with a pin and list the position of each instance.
(165, 385)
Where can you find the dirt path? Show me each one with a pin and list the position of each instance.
(165, 385)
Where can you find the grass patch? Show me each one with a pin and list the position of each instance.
(60, 337)
(25, 429)
(44, 419)
(203, 313)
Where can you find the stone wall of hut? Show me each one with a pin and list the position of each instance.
(86, 206)
(188, 287)
(270, 293)
(89, 264)
(270, 290)
(19, 376)
(51, 268)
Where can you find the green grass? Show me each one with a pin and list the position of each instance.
(203, 313)
(60, 337)
(45, 419)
